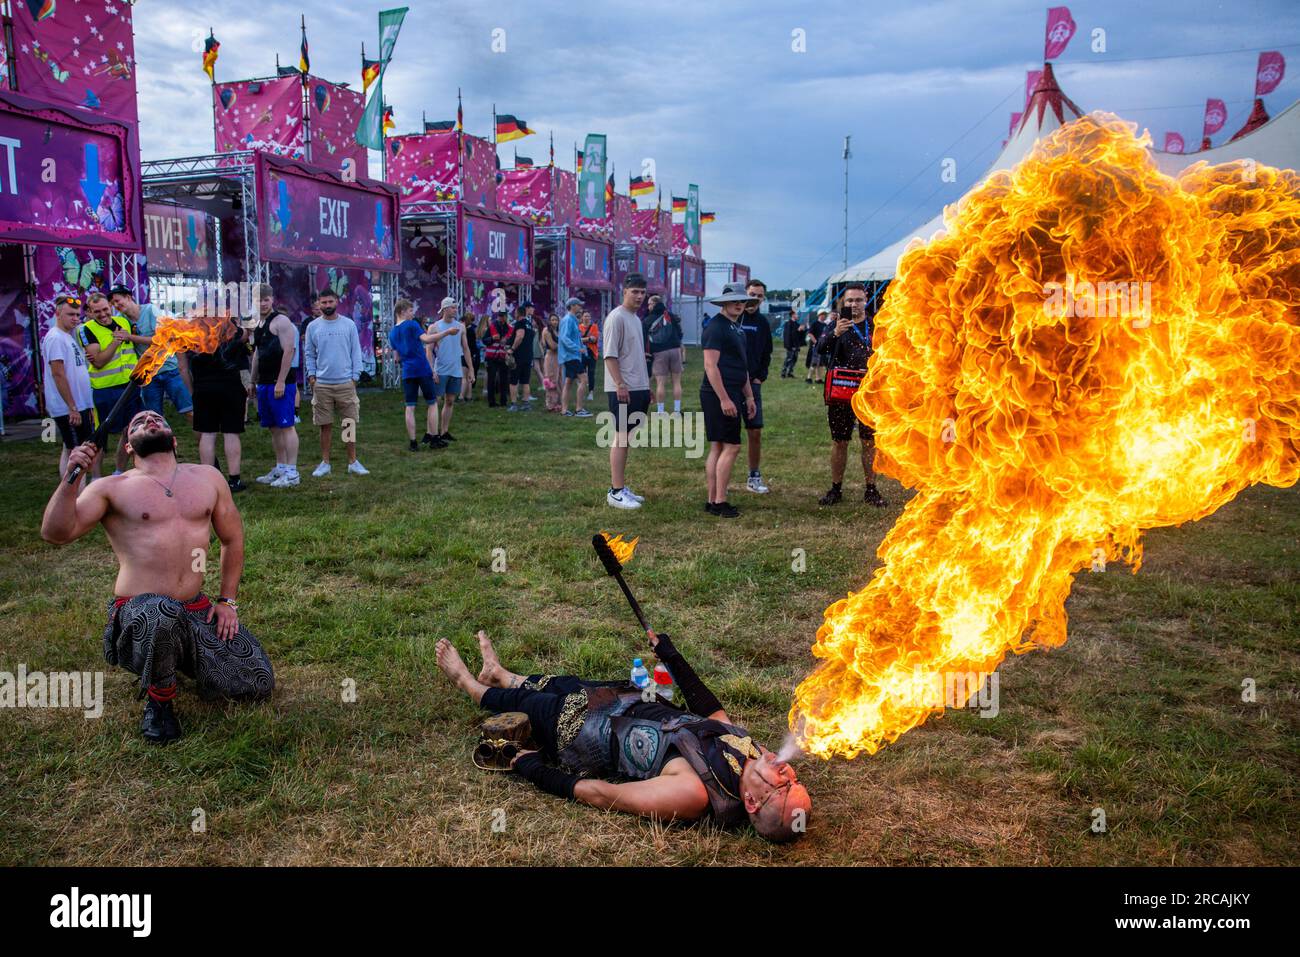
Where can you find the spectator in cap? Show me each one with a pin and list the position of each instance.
(573, 353)
(451, 346)
(169, 381)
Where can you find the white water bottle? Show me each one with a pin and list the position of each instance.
(640, 677)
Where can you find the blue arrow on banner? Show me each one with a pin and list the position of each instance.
(380, 230)
(92, 187)
(192, 239)
(282, 212)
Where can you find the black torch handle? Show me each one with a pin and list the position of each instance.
(101, 433)
(631, 600)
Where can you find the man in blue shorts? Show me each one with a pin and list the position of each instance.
(275, 342)
(451, 346)
(411, 343)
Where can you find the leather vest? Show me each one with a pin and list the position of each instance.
(611, 741)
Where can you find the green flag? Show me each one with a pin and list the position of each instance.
(692, 225)
(591, 182)
(370, 131)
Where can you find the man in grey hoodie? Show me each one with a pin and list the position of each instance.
(333, 367)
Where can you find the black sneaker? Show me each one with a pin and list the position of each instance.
(437, 443)
(159, 724)
(726, 510)
(710, 508)
(415, 446)
(833, 497)
(237, 485)
(447, 437)
(429, 439)
(872, 496)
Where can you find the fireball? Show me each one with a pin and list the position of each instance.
(1091, 349)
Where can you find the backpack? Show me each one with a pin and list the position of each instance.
(662, 333)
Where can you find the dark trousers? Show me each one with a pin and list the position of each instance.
(791, 360)
(542, 698)
(498, 382)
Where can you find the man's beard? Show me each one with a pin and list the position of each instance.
(152, 442)
(328, 310)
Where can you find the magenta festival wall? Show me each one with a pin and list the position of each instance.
(591, 264)
(646, 230)
(311, 216)
(333, 112)
(480, 161)
(653, 266)
(680, 245)
(564, 199)
(424, 277)
(527, 194)
(178, 240)
(66, 177)
(423, 167)
(623, 208)
(294, 285)
(77, 53)
(692, 283)
(494, 249)
(259, 115)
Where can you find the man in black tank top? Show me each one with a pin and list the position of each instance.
(275, 340)
(672, 763)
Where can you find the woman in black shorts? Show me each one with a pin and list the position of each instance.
(219, 402)
(726, 390)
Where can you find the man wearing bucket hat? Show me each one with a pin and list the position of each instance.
(452, 344)
(573, 367)
(724, 393)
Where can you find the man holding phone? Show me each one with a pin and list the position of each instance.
(847, 345)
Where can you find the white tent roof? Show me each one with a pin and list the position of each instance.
(1276, 143)
(1048, 109)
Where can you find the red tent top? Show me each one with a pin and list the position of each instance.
(1258, 117)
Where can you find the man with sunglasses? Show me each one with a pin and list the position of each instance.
(678, 764)
(68, 395)
(159, 518)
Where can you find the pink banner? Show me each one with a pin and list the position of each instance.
(423, 167)
(66, 177)
(480, 172)
(623, 208)
(591, 264)
(654, 266)
(1174, 143)
(78, 54)
(494, 246)
(739, 273)
(564, 199)
(1269, 72)
(1031, 84)
(680, 246)
(527, 194)
(692, 281)
(1060, 30)
(259, 115)
(310, 215)
(176, 240)
(1216, 114)
(334, 112)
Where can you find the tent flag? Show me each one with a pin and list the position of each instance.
(679, 204)
(708, 217)
(304, 58)
(369, 72)
(1269, 72)
(1060, 30)
(691, 227)
(511, 128)
(1174, 143)
(439, 126)
(370, 131)
(211, 47)
(638, 186)
(1031, 84)
(577, 163)
(591, 179)
(1216, 114)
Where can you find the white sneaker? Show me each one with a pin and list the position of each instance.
(356, 468)
(286, 480)
(321, 470)
(621, 499)
(270, 477)
(755, 484)
(636, 498)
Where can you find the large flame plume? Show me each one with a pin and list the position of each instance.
(198, 332)
(1041, 443)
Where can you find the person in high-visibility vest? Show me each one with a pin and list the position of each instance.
(112, 356)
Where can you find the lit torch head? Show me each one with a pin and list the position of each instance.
(1090, 350)
(622, 550)
(197, 332)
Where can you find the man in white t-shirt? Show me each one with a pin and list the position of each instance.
(68, 397)
(627, 384)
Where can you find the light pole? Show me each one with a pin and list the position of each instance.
(848, 155)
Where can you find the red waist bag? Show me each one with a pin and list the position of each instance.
(841, 384)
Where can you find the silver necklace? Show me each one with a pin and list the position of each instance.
(167, 488)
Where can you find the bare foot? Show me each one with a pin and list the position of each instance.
(492, 673)
(450, 662)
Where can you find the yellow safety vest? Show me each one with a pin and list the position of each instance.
(117, 371)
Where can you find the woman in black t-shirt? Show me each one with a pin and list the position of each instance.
(220, 399)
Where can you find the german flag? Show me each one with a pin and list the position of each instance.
(304, 58)
(439, 126)
(460, 113)
(523, 162)
(640, 186)
(389, 125)
(369, 73)
(609, 190)
(679, 204)
(511, 128)
(579, 162)
(707, 217)
(211, 47)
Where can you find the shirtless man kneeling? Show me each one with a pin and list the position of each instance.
(159, 517)
(686, 764)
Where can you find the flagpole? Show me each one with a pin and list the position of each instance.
(306, 105)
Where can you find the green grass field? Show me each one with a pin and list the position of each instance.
(1139, 714)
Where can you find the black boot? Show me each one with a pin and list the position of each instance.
(159, 724)
(832, 497)
(871, 495)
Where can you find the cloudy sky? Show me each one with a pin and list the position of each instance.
(716, 93)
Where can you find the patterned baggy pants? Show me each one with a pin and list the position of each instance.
(154, 636)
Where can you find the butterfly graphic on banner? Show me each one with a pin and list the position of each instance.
(60, 75)
(79, 275)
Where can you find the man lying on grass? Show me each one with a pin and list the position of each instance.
(159, 517)
(681, 765)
